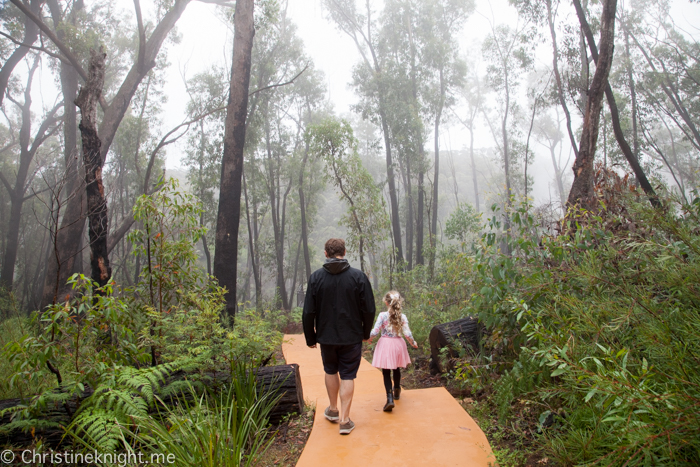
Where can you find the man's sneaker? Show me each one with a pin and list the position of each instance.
(346, 428)
(332, 415)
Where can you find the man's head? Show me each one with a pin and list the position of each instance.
(335, 248)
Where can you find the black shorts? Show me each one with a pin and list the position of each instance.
(343, 359)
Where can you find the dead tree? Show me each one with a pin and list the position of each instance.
(98, 229)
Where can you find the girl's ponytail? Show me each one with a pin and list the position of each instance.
(395, 302)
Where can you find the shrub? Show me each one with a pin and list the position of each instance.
(604, 327)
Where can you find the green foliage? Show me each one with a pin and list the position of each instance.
(366, 220)
(79, 340)
(199, 429)
(463, 224)
(119, 398)
(603, 324)
(104, 338)
(170, 229)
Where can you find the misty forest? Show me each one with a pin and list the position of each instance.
(530, 167)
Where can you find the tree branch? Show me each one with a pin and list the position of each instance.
(50, 34)
(127, 222)
(7, 184)
(142, 36)
(280, 84)
(33, 47)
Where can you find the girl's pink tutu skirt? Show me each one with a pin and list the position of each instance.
(391, 353)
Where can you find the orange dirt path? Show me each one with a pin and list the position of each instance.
(427, 427)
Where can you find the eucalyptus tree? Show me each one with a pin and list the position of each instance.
(509, 55)
(582, 188)
(18, 38)
(207, 95)
(582, 193)
(288, 92)
(358, 23)
(667, 68)
(70, 34)
(366, 219)
(30, 141)
(230, 185)
(549, 134)
(473, 96)
(421, 69)
(440, 23)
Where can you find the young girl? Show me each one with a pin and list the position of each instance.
(391, 352)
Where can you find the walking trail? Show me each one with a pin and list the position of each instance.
(427, 427)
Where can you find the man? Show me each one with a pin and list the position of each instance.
(338, 314)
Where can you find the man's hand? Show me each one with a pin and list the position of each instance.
(312, 346)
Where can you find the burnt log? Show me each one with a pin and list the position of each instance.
(463, 333)
(282, 380)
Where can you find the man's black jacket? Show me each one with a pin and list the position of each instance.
(339, 306)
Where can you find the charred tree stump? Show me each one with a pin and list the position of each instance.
(87, 100)
(465, 332)
(281, 380)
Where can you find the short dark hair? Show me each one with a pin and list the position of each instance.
(335, 247)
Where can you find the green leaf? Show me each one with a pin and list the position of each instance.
(590, 394)
(558, 371)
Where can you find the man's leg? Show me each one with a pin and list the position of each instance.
(347, 389)
(333, 385)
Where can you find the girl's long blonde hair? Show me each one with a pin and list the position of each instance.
(395, 301)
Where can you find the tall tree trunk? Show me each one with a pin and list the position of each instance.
(17, 193)
(557, 76)
(98, 227)
(205, 245)
(420, 228)
(62, 259)
(585, 73)
(302, 207)
(614, 113)
(253, 250)
(409, 217)
(280, 253)
(391, 180)
(471, 155)
(228, 218)
(278, 220)
(582, 193)
(557, 176)
(633, 95)
(420, 211)
(506, 144)
(292, 289)
(436, 176)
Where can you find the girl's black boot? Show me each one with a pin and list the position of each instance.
(389, 402)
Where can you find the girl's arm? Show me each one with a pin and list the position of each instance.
(407, 332)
